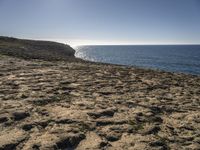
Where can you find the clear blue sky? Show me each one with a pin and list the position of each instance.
(103, 21)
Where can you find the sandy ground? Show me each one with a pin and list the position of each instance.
(71, 105)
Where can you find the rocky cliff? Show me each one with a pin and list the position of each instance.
(32, 49)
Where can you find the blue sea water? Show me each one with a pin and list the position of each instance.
(174, 58)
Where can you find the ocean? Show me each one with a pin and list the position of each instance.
(173, 58)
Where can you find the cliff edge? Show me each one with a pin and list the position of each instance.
(32, 49)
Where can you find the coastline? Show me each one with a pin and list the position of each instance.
(171, 58)
(88, 105)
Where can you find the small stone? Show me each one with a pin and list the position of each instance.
(155, 119)
(20, 115)
(23, 96)
(27, 127)
(70, 141)
(3, 119)
(158, 144)
(152, 130)
(101, 113)
(103, 144)
(156, 109)
(113, 137)
(36, 146)
(130, 129)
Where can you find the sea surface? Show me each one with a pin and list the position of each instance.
(174, 58)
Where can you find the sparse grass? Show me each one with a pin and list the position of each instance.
(4, 44)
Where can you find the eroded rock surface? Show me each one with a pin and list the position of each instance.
(72, 105)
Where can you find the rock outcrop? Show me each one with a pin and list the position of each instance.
(31, 49)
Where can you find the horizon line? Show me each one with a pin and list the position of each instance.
(138, 44)
(72, 44)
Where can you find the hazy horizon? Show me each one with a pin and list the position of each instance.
(94, 22)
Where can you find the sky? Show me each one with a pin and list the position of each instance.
(91, 22)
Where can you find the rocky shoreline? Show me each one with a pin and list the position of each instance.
(82, 105)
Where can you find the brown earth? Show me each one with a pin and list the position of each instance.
(72, 105)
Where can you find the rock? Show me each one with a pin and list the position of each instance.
(140, 114)
(22, 95)
(27, 127)
(119, 101)
(43, 123)
(104, 122)
(140, 119)
(130, 129)
(67, 88)
(65, 82)
(92, 141)
(155, 119)
(168, 96)
(105, 92)
(102, 113)
(36, 146)
(159, 144)
(70, 141)
(3, 119)
(65, 121)
(103, 144)
(30, 49)
(152, 130)
(156, 109)
(8, 146)
(10, 139)
(130, 104)
(45, 101)
(65, 104)
(19, 115)
(113, 136)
